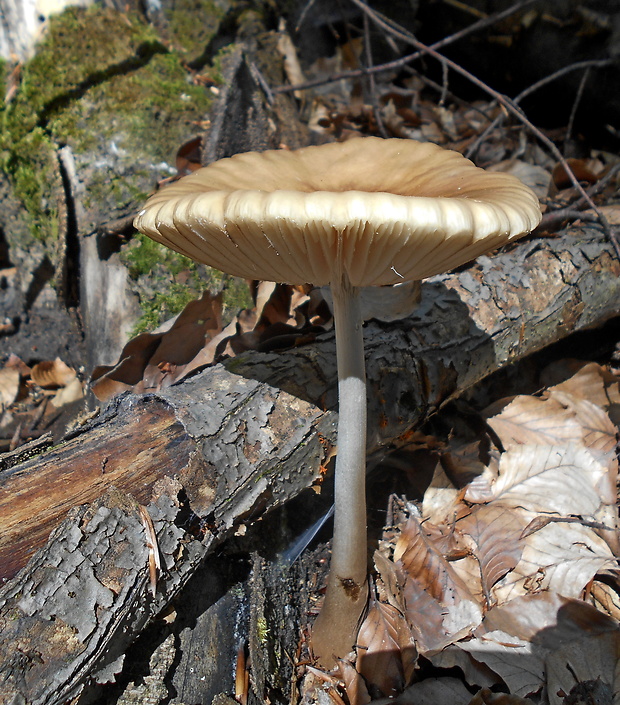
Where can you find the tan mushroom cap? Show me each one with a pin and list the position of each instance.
(382, 211)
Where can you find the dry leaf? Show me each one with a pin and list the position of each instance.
(440, 499)
(534, 421)
(439, 606)
(54, 373)
(513, 659)
(72, 392)
(559, 557)
(435, 691)
(384, 642)
(496, 532)
(487, 697)
(560, 479)
(587, 381)
(598, 432)
(18, 364)
(354, 685)
(107, 381)
(475, 673)
(9, 386)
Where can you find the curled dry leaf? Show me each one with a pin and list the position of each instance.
(546, 639)
(354, 685)
(68, 394)
(441, 499)
(515, 660)
(488, 697)
(386, 649)
(496, 533)
(559, 557)
(534, 421)
(587, 381)
(9, 386)
(196, 338)
(439, 605)
(560, 479)
(434, 691)
(52, 373)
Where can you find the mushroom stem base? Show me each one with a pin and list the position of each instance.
(336, 627)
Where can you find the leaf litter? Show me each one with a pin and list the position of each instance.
(507, 569)
(36, 399)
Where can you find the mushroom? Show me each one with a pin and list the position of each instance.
(354, 214)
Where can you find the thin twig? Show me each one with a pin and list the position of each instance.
(262, 82)
(304, 12)
(399, 63)
(576, 102)
(554, 219)
(371, 80)
(598, 63)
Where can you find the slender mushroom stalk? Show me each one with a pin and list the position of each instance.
(336, 626)
(359, 213)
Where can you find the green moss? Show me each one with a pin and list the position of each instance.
(161, 307)
(82, 48)
(166, 281)
(143, 255)
(155, 104)
(193, 24)
(4, 75)
(102, 83)
(33, 168)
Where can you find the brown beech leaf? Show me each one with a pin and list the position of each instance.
(547, 618)
(583, 169)
(68, 394)
(384, 642)
(606, 598)
(197, 323)
(587, 381)
(570, 639)
(15, 362)
(441, 499)
(106, 381)
(488, 697)
(439, 606)
(464, 462)
(533, 421)
(513, 659)
(354, 685)
(9, 386)
(435, 691)
(475, 673)
(579, 662)
(496, 532)
(560, 479)
(559, 557)
(598, 432)
(52, 373)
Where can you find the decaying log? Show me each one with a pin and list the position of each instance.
(237, 439)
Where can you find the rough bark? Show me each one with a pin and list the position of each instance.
(220, 449)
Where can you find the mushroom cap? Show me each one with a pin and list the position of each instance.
(378, 210)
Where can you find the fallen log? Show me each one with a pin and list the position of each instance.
(234, 441)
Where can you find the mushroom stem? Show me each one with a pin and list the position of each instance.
(336, 627)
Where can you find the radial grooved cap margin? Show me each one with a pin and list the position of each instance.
(382, 211)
